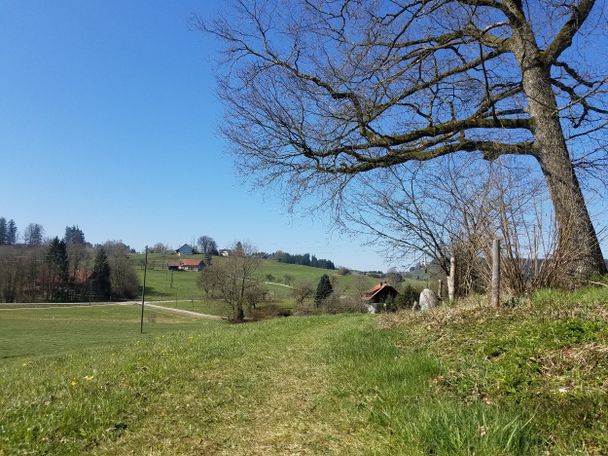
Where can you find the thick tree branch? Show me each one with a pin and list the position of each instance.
(563, 40)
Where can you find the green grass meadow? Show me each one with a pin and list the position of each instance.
(529, 379)
(58, 330)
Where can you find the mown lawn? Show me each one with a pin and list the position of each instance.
(524, 380)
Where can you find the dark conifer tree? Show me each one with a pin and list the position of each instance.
(324, 289)
(3, 231)
(73, 235)
(102, 285)
(11, 233)
(57, 259)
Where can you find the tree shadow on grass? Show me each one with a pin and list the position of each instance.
(153, 292)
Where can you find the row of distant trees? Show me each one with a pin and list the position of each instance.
(33, 233)
(66, 270)
(305, 259)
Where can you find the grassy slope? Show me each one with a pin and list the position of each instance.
(457, 381)
(159, 279)
(546, 357)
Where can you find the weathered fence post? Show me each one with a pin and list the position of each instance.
(452, 280)
(495, 292)
(439, 288)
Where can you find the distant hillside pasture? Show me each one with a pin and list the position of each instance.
(162, 284)
(179, 288)
(159, 278)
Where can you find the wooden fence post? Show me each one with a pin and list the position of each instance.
(439, 288)
(495, 292)
(452, 280)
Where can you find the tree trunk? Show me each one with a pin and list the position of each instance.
(578, 245)
(239, 314)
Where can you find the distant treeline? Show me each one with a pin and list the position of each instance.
(305, 259)
(66, 270)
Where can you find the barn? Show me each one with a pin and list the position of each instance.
(380, 293)
(187, 264)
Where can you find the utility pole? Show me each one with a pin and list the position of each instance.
(143, 293)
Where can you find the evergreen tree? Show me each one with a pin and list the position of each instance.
(306, 259)
(11, 233)
(57, 259)
(3, 231)
(73, 235)
(102, 285)
(324, 289)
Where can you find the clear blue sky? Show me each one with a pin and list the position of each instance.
(108, 120)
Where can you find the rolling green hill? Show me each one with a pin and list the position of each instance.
(164, 285)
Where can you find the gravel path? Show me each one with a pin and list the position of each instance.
(189, 313)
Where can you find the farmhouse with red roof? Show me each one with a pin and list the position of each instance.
(187, 264)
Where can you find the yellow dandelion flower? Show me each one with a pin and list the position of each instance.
(88, 378)
(74, 382)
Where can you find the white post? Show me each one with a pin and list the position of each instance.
(452, 280)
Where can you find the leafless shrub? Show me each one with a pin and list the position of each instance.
(449, 212)
(303, 292)
(335, 304)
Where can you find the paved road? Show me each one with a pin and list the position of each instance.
(278, 284)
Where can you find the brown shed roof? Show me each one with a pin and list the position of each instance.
(190, 262)
(369, 294)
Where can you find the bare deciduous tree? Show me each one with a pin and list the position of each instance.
(447, 212)
(33, 234)
(206, 245)
(324, 91)
(235, 280)
(302, 291)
